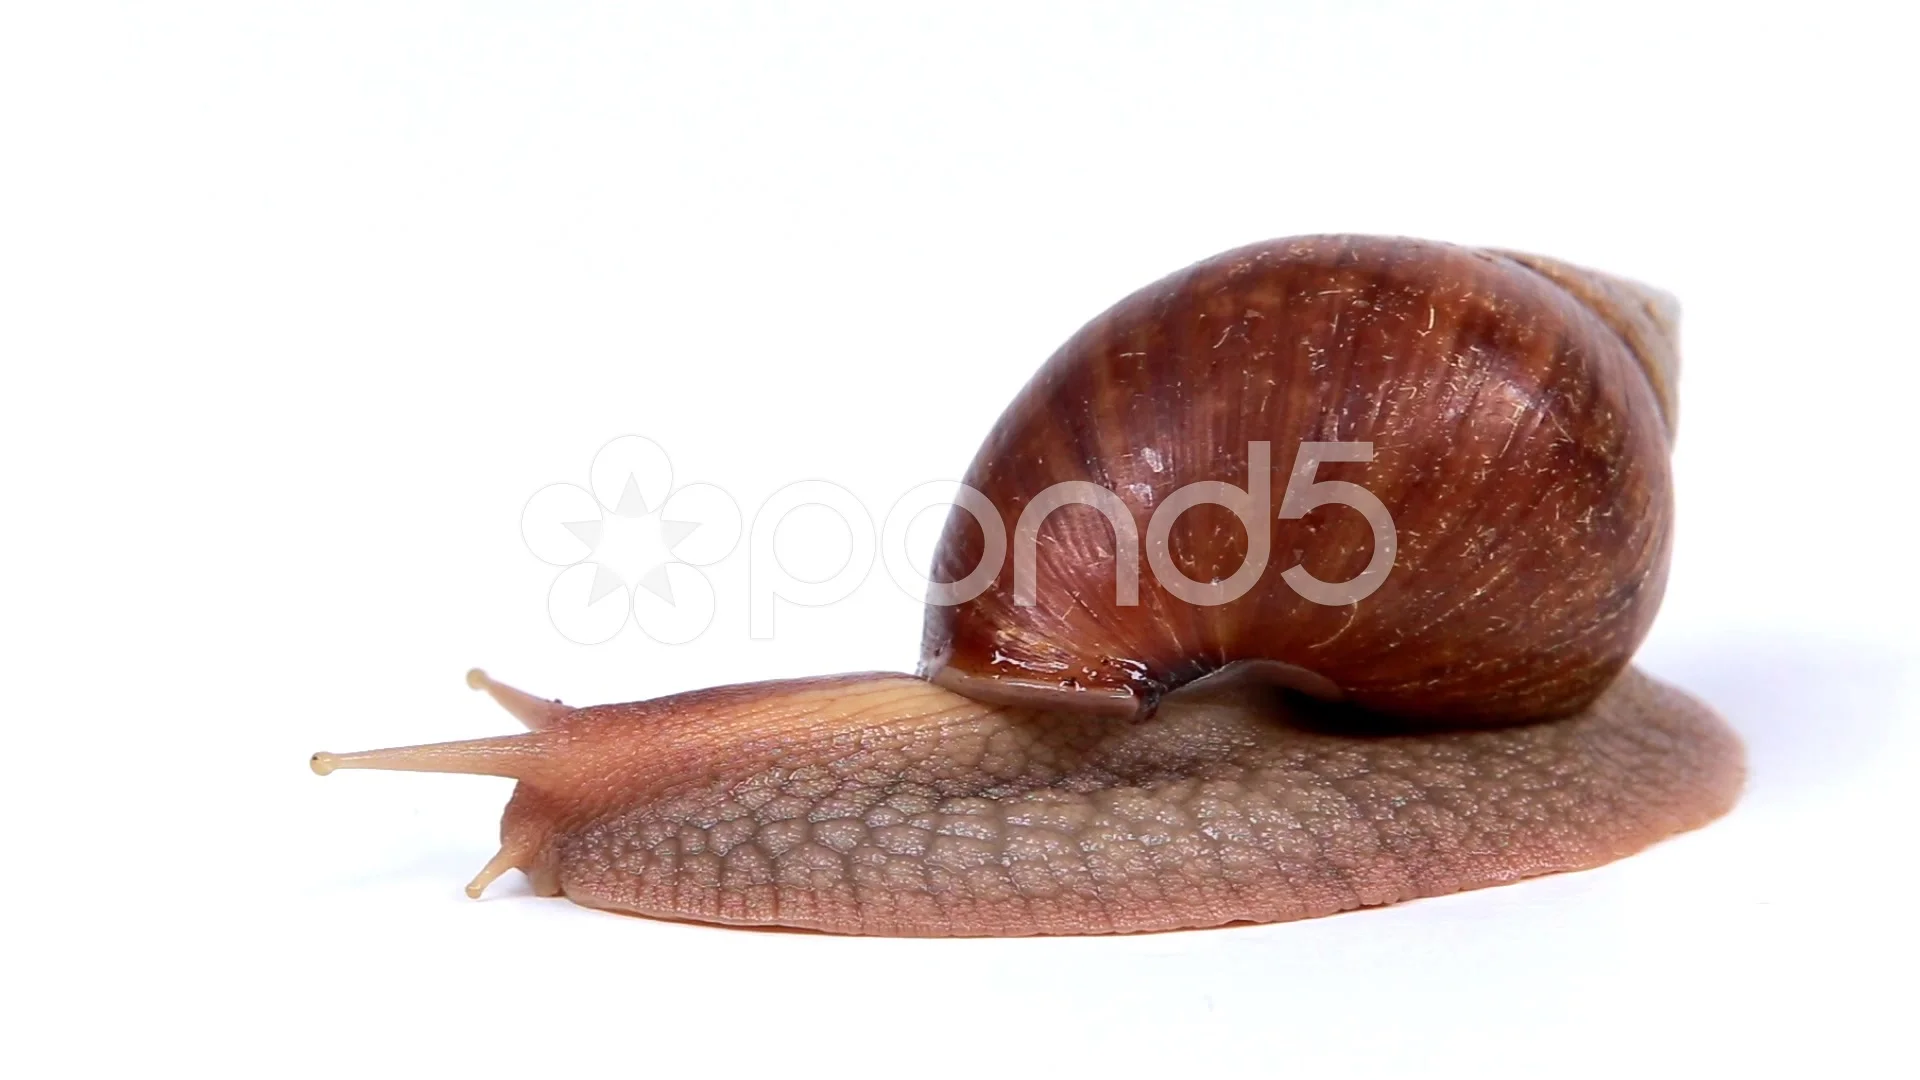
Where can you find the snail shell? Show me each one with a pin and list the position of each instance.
(1468, 613)
(1519, 413)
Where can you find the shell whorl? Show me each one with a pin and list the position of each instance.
(1520, 413)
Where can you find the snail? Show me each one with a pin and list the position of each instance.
(1405, 512)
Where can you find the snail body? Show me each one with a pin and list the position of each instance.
(1298, 708)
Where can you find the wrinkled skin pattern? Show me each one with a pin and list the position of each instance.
(950, 818)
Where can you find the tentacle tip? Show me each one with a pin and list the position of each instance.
(501, 862)
(322, 763)
(477, 679)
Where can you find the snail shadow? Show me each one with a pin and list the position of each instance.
(1281, 702)
(1815, 713)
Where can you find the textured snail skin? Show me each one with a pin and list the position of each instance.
(884, 804)
(1521, 445)
(1068, 767)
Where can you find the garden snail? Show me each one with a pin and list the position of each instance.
(1232, 745)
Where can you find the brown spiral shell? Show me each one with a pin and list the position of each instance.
(1520, 412)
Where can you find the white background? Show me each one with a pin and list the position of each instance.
(298, 308)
